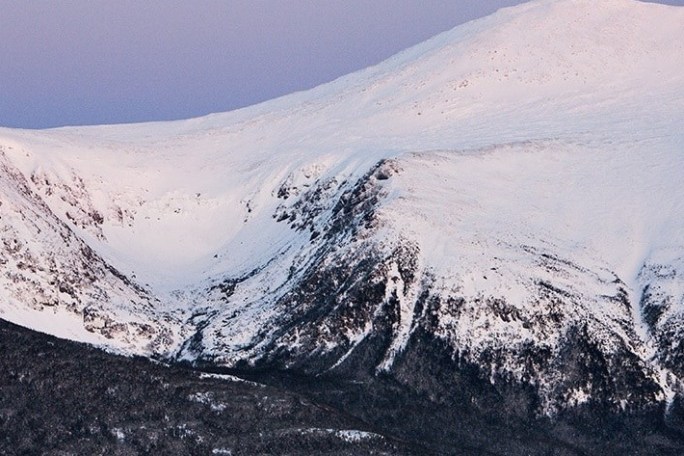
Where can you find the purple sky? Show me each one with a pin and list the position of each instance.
(92, 61)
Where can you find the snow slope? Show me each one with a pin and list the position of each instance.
(525, 170)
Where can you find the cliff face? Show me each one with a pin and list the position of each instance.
(371, 296)
(52, 279)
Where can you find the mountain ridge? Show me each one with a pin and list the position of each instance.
(506, 192)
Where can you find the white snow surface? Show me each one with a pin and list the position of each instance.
(551, 127)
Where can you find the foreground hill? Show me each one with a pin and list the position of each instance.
(61, 398)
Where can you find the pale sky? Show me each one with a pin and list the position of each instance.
(75, 62)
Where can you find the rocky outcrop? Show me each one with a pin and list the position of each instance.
(49, 273)
(363, 303)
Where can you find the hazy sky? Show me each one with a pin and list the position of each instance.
(73, 62)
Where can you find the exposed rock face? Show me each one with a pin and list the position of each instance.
(661, 306)
(48, 270)
(360, 307)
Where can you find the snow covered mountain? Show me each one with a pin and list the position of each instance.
(504, 202)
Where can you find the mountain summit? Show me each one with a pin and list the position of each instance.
(496, 214)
